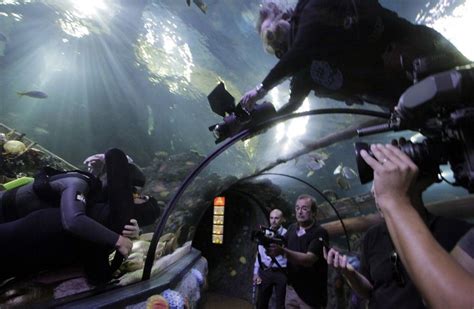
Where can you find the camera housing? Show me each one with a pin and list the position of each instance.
(266, 236)
(441, 107)
(235, 117)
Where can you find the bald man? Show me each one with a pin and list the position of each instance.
(270, 273)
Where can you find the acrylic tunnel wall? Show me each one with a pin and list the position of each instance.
(316, 160)
(268, 170)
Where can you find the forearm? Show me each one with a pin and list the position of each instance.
(441, 281)
(300, 258)
(90, 230)
(358, 283)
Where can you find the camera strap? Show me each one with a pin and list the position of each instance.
(274, 261)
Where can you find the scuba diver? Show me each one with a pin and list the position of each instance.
(353, 51)
(350, 51)
(65, 215)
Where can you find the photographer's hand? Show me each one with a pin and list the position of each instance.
(274, 250)
(256, 279)
(356, 280)
(338, 261)
(394, 173)
(442, 282)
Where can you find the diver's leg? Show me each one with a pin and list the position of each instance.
(35, 242)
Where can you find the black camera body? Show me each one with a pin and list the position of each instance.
(266, 236)
(441, 107)
(235, 117)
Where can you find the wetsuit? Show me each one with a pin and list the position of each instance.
(352, 53)
(68, 218)
(72, 194)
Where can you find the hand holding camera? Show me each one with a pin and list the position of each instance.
(441, 108)
(394, 173)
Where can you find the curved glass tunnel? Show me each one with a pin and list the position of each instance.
(250, 195)
(135, 75)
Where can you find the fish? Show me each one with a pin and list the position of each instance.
(33, 94)
(188, 2)
(349, 173)
(3, 37)
(150, 121)
(201, 5)
(315, 165)
(345, 171)
(40, 131)
(316, 160)
(338, 170)
(343, 183)
(330, 195)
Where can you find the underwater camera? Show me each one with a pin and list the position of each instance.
(235, 117)
(266, 236)
(440, 107)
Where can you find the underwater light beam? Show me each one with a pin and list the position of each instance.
(88, 8)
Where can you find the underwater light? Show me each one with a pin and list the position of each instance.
(89, 8)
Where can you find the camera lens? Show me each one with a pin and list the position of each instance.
(426, 155)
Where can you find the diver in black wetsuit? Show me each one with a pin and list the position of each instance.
(352, 51)
(73, 191)
(65, 217)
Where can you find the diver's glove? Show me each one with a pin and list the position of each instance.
(251, 97)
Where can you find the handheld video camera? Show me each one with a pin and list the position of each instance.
(235, 117)
(441, 107)
(266, 236)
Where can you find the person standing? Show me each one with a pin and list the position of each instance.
(270, 273)
(307, 269)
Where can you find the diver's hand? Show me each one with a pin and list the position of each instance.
(337, 260)
(95, 163)
(131, 230)
(124, 246)
(251, 97)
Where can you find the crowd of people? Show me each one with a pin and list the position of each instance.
(360, 52)
(352, 51)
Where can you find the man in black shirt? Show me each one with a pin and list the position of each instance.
(307, 270)
(352, 51)
(382, 277)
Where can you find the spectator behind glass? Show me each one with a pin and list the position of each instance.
(307, 270)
